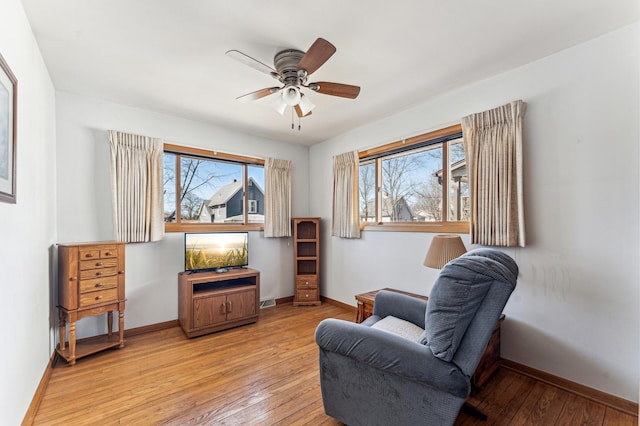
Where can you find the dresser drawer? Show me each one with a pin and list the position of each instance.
(108, 252)
(306, 295)
(89, 253)
(98, 284)
(98, 263)
(97, 273)
(306, 282)
(96, 297)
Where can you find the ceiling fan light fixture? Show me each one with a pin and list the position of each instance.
(279, 105)
(291, 95)
(306, 106)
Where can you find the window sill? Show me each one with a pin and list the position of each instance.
(452, 227)
(219, 227)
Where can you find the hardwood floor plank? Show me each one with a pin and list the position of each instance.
(613, 417)
(510, 404)
(581, 411)
(259, 374)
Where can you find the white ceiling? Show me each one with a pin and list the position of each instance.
(169, 55)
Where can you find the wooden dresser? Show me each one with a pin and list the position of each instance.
(90, 283)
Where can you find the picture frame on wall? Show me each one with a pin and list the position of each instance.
(8, 121)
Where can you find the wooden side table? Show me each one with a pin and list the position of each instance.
(490, 361)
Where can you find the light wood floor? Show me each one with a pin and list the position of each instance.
(260, 374)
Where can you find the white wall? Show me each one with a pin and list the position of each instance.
(574, 312)
(85, 211)
(27, 229)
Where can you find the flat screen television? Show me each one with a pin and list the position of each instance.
(210, 251)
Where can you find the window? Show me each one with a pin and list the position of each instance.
(418, 184)
(205, 190)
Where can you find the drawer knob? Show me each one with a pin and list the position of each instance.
(98, 297)
(98, 273)
(98, 284)
(89, 255)
(72, 278)
(98, 263)
(108, 253)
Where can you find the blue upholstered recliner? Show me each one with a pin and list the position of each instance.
(389, 371)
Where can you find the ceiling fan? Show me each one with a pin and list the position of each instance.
(292, 69)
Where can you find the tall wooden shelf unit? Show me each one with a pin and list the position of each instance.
(306, 239)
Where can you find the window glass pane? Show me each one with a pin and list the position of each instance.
(255, 190)
(459, 201)
(211, 191)
(169, 179)
(411, 187)
(367, 191)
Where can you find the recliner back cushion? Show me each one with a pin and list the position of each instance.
(455, 297)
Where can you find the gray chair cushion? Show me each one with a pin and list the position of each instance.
(456, 295)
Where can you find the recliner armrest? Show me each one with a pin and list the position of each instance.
(391, 353)
(400, 306)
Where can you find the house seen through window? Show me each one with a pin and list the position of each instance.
(210, 191)
(416, 184)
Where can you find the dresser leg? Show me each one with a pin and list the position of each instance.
(121, 327)
(110, 323)
(63, 330)
(72, 343)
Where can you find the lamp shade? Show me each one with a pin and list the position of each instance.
(444, 248)
(279, 105)
(291, 95)
(305, 105)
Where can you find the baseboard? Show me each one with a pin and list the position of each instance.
(150, 328)
(284, 300)
(621, 404)
(30, 415)
(339, 304)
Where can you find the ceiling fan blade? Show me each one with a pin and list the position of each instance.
(319, 52)
(299, 111)
(258, 94)
(253, 63)
(336, 89)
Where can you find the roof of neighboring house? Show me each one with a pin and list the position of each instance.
(203, 206)
(225, 193)
(458, 169)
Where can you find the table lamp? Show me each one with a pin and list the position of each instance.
(443, 248)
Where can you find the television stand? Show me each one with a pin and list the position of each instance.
(212, 301)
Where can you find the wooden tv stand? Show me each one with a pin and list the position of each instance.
(212, 301)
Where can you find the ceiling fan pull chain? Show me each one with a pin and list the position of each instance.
(299, 127)
(292, 127)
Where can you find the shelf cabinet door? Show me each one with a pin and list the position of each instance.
(241, 305)
(209, 310)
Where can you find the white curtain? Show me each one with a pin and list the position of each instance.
(136, 185)
(277, 198)
(493, 143)
(345, 220)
